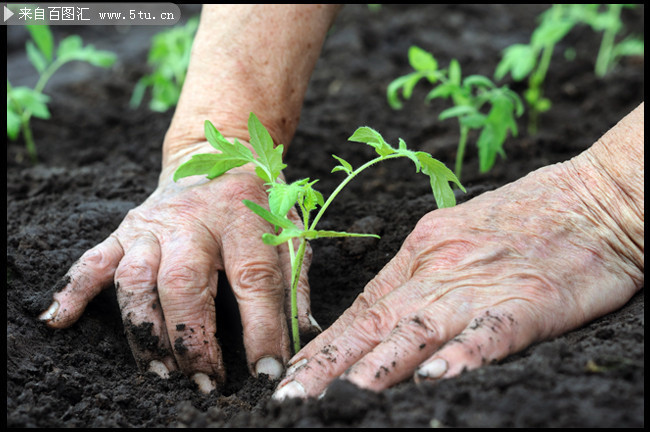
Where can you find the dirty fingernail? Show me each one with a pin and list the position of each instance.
(314, 323)
(292, 390)
(270, 367)
(50, 313)
(294, 367)
(159, 368)
(433, 370)
(206, 385)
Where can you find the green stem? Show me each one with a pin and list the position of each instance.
(347, 180)
(464, 130)
(607, 44)
(296, 267)
(535, 83)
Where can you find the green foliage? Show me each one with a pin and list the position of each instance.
(169, 58)
(24, 102)
(282, 196)
(469, 96)
(532, 60)
(607, 19)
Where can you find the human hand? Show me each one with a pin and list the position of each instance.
(482, 280)
(164, 258)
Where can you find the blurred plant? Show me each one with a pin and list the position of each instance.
(468, 95)
(532, 60)
(607, 19)
(24, 102)
(169, 58)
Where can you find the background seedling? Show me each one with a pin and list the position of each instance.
(607, 19)
(469, 96)
(24, 102)
(532, 60)
(282, 196)
(169, 58)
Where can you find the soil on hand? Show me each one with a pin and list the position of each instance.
(98, 159)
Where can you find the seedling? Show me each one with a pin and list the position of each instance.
(468, 95)
(609, 22)
(24, 102)
(169, 58)
(282, 196)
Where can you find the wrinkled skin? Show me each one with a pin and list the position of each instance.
(485, 279)
(164, 258)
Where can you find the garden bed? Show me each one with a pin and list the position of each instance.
(98, 159)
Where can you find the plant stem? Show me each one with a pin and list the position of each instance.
(464, 130)
(607, 43)
(536, 80)
(296, 267)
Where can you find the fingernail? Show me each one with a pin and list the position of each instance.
(292, 390)
(314, 323)
(159, 368)
(433, 370)
(270, 367)
(294, 367)
(50, 313)
(206, 385)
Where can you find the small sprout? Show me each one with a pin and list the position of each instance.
(283, 196)
(469, 96)
(169, 58)
(24, 102)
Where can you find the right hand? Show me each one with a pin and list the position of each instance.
(163, 260)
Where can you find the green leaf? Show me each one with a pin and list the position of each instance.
(282, 197)
(35, 57)
(199, 164)
(421, 60)
(13, 124)
(519, 60)
(345, 165)
(31, 100)
(405, 83)
(439, 177)
(457, 111)
(314, 234)
(276, 220)
(42, 36)
(69, 47)
(270, 158)
(478, 81)
(454, 72)
(374, 139)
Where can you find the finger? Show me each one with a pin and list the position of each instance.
(492, 336)
(414, 339)
(187, 286)
(86, 278)
(258, 282)
(311, 375)
(142, 315)
(394, 274)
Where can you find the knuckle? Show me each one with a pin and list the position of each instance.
(136, 271)
(259, 275)
(376, 323)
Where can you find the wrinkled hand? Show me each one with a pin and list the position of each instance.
(477, 282)
(164, 258)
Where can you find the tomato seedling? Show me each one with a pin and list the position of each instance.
(283, 196)
(24, 102)
(468, 95)
(169, 58)
(607, 19)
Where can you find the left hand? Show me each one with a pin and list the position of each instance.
(475, 283)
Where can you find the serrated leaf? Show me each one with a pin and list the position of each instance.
(439, 177)
(282, 197)
(345, 165)
(276, 220)
(268, 156)
(374, 139)
(199, 164)
(43, 39)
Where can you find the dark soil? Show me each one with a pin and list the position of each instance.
(98, 159)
